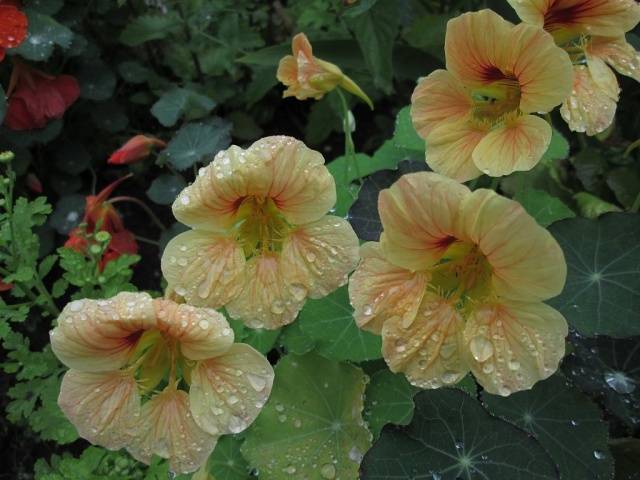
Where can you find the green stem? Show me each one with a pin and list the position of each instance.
(495, 181)
(349, 147)
(636, 205)
(631, 148)
(142, 205)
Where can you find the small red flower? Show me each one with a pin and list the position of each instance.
(100, 215)
(13, 26)
(5, 287)
(135, 149)
(35, 98)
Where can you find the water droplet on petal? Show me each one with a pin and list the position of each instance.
(481, 348)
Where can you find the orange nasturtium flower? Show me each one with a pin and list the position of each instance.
(456, 283)
(261, 241)
(122, 389)
(477, 115)
(593, 33)
(307, 76)
(136, 148)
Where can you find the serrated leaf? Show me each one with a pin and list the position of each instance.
(194, 141)
(329, 322)
(545, 208)
(312, 423)
(451, 437)
(43, 35)
(149, 27)
(165, 188)
(565, 422)
(226, 462)
(602, 293)
(388, 399)
(178, 102)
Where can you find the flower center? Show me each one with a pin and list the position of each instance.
(260, 227)
(499, 96)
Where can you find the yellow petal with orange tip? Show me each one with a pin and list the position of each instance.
(227, 392)
(103, 407)
(418, 213)
(513, 345)
(379, 290)
(526, 261)
(318, 257)
(204, 268)
(166, 428)
(517, 145)
(101, 335)
(429, 350)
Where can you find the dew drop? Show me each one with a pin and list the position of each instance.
(258, 383)
(481, 348)
(620, 382)
(598, 455)
(277, 307)
(328, 471)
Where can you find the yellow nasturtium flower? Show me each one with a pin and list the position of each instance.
(593, 33)
(306, 76)
(262, 241)
(477, 115)
(123, 388)
(457, 283)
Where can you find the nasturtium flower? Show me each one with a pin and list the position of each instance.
(135, 149)
(123, 389)
(593, 33)
(262, 241)
(456, 284)
(13, 27)
(477, 115)
(306, 76)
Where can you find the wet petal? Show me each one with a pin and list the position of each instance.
(103, 407)
(438, 98)
(228, 392)
(617, 53)
(527, 262)
(167, 429)
(204, 268)
(418, 214)
(429, 351)
(100, 335)
(268, 300)
(518, 145)
(318, 257)
(531, 11)
(513, 345)
(450, 147)
(379, 290)
(202, 332)
(590, 108)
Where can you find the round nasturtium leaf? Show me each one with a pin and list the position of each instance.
(312, 425)
(226, 462)
(565, 422)
(452, 437)
(602, 293)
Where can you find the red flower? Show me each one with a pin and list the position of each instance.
(4, 287)
(13, 26)
(100, 215)
(135, 149)
(35, 98)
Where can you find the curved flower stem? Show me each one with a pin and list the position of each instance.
(631, 148)
(142, 205)
(636, 205)
(349, 147)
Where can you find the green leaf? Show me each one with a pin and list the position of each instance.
(558, 148)
(109, 116)
(592, 207)
(452, 437)
(294, 340)
(178, 102)
(97, 80)
(405, 136)
(565, 422)
(72, 158)
(149, 27)
(48, 7)
(68, 213)
(627, 458)
(226, 462)
(388, 399)
(261, 339)
(602, 293)
(625, 183)
(427, 33)
(194, 141)
(312, 423)
(545, 208)
(375, 30)
(329, 321)
(44, 34)
(134, 72)
(165, 188)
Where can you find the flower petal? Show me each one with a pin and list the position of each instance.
(438, 98)
(100, 335)
(202, 332)
(228, 392)
(450, 147)
(379, 290)
(267, 301)
(618, 53)
(429, 351)
(102, 406)
(527, 262)
(590, 108)
(318, 257)
(167, 429)
(204, 268)
(531, 11)
(418, 214)
(512, 345)
(518, 145)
